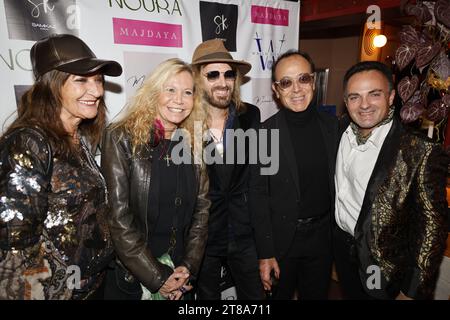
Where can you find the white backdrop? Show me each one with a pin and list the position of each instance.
(141, 33)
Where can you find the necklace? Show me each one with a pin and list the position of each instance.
(219, 142)
(166, 151)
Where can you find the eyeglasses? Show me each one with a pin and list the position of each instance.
(302, 79)
(229, 75)
(372, 96)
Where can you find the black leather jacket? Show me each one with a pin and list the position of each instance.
(128, 178)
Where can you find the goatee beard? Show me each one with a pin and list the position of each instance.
(218, 103)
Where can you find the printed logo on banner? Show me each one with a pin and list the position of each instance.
(169, 7)
(263, 97)
(268, 15)
(36, 19)
(147, 33)
(268, 50)
(137, 65)
(219, 21)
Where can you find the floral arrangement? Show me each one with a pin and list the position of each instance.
(424, 66)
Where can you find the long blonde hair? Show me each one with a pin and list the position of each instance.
(139, 116)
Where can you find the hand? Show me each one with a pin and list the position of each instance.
(402, 296)
(184, 270)
(186, 285)
(265, 268)
(175, 281)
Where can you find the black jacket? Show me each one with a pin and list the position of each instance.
(274, 199)
(128, 178)
(229, 212)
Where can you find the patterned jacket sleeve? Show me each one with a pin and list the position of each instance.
(429, 238)
(25, 173)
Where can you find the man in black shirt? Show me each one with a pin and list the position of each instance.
(292, 208)
(230, 239)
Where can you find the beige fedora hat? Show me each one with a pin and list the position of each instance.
(214, 51)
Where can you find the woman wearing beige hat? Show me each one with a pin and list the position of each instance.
(54, 241)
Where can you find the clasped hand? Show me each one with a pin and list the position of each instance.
(177, 284)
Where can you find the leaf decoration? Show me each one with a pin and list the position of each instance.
(420, 11)
(425, 37)
(411, 112)
(426, 53)
(441, 66)
(404, 55)
(416, 97)
(442, 12)
(407, 86)
(437, 111)
(424, 89)
(409, 35)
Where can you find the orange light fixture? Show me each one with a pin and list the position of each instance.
(379, 40)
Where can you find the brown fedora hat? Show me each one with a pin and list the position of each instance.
(214, 51)
(68, 53)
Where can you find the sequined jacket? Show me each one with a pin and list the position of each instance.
(402, 225)
(128, 177)
(54, 240)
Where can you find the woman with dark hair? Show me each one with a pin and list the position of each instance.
(159, 214)
(54, 239)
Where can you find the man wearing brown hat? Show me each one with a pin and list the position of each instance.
(230, 239)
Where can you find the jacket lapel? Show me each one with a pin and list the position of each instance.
(385, 160)
(286, 148)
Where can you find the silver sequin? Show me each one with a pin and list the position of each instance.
(9, 212)
(57, 218)
(23, 182)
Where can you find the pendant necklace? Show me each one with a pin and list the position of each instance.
(218, 142)
(166, 152)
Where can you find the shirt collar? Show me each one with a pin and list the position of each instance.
(376, 138)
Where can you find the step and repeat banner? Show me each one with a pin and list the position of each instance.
(139, 34)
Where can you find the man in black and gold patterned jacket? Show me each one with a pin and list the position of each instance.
(390, 215)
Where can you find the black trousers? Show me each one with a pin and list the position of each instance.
(307, 265)
(242, 262)
(347, 265)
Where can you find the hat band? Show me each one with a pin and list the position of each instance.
(215, 56)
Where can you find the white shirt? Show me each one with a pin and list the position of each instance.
(354, 166)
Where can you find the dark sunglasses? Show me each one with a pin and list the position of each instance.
(302, 78)
(214, 75)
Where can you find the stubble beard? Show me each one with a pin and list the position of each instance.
(221, 103)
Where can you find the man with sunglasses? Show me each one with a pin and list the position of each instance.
(390, 230)
(230, 240)
(293, 207)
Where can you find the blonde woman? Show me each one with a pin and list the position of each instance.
(159, 206)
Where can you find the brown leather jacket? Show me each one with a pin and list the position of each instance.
(128, 178)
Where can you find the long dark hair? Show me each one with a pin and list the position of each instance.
(41, 106)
